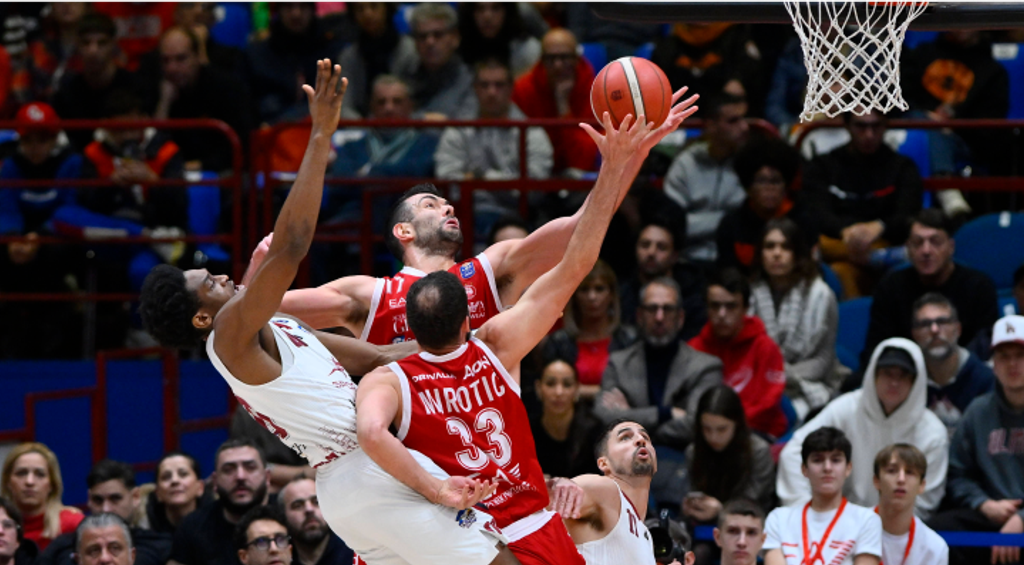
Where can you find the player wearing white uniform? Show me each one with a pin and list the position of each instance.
(290, 380)
(827, 530)
(900, 471)
(610, 529)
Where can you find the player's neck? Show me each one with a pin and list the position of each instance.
(428, 263)
(826, 502)
(896, 521)
(637, 490)
(311, 554)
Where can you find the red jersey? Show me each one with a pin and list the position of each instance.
(386, 322)
(463, 411)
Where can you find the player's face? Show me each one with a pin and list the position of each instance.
(265, 532)
(898, 486)
(302, 510)
(935, 331)
(767, 191)
(213, 290)
(740, 538)
(827, 471)
(29, 484)
(113, 496)
(241, 477)
(718, 430)
(725, 312)
(8, 536)
(104, 546)
(777, 254)
(593, 298)
(655, 252)
(659, 316)
(436, 228)
(557, 388)
(630, 453)
(176, 483)
(894, 385)
(1008, 365)
(930, 250)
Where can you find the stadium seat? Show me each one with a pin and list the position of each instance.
(991, 244)
(1011, 56)
(832, 280)
(913, 143)
(645, 51)
(1007, 302)
(204, 213)
(401, 20)
(915, 38)
(596, 53)
(234, 24)
(854, 316)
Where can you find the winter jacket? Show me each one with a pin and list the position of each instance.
(753, 367)
(28, 210)
(950, 402)
(707, 189)
(492, 153)
(860, 416)
(691, 373)
(986, 454)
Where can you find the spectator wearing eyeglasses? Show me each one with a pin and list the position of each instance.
(752, 362)
(657, 383)
(14, 548)
(863, 195)
(558, 86)
(442, 84)
(955, 375)
(262, 537)
(930, 248)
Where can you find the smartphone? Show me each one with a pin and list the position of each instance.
(695, 494)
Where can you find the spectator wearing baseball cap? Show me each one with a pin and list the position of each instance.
(986, 461)
(890, 407)
(27, 266)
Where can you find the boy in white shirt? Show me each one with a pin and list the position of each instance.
(827, 530)
(899, 477)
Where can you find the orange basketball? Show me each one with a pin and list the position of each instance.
(631, 85)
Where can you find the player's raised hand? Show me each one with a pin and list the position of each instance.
(462, 492)
(675, 118)
(566, 497)
(325, 99)
(618, 145)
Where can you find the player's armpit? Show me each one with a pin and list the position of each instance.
(359, 357)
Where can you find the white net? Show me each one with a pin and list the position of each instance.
(852, 54)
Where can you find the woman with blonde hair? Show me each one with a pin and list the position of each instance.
(592, 330)
(31, 479)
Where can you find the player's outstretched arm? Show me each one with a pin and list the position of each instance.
(359, 357)
(377, 405)
(297, 220)
(524, 260)
(512, 334)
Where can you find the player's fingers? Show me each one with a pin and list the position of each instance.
(688, 102)
(320, 71)
(626, 122)
(598, 138)
(309, 91)
(679, 93)
(344, 86)
(606, 121)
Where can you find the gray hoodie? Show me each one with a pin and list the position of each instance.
(986, 454)
(860, 416)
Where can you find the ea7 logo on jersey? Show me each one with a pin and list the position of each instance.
(395, 303)
(467, 270)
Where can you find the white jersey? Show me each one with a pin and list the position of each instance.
(311, 407)
(928, 548)
(628, 542)
(858, 531)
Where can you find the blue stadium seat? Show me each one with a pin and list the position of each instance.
(832, 280)
(234, 24)
(1011, 56)
(645, 51)
(915, 146)
(204, 213)
(596, 53)
(401, 19)
(854, 316)
(992, 243)
(915, 38)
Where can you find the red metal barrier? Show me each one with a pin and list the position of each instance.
(233, 183)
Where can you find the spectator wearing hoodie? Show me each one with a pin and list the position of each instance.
(889, 408)
(986, 460)
(752, 363)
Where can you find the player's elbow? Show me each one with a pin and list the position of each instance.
(371, 433)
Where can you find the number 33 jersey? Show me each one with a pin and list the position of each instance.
(463, 411)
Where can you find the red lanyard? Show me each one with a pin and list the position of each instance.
(812, 559)
(910, 540)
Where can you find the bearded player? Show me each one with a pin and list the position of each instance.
(425, 236)
(456, 402)
(289, 379)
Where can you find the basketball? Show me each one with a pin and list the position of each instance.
(631, 85)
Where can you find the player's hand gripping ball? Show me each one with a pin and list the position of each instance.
(631, 85)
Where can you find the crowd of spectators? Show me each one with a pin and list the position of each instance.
(712, 321)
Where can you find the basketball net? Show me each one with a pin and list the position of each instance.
(852, 54)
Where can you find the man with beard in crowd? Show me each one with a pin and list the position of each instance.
(206, 537)
(313, 543)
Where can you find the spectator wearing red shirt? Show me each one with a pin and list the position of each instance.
(559, 87)
(752, 363)
(31, 479)
(139, 26)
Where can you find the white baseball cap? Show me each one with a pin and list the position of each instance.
(1008, 329)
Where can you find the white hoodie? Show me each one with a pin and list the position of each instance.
(860, 416)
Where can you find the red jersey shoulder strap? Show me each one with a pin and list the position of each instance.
(371, 312)
(485, 263)
(512, 384)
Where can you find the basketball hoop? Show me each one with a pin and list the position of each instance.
(852, 54)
